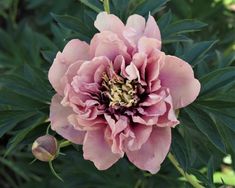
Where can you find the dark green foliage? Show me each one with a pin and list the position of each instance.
(34, 30)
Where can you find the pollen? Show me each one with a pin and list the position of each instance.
(120, 92)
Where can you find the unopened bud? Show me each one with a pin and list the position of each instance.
(45, 148)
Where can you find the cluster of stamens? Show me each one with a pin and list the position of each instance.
(121, 92)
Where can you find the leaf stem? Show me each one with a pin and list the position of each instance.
(191, 179)
(64, 144)
(106, 6)
(54, 172)
(48, 129)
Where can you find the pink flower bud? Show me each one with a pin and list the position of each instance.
(45, 148)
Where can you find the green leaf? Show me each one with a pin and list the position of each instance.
(9, 119)
(48, 55)
(24, 87)
(20, 135)
(183, 26)
(75, 24)
(164, 21)
(210, 170)
(217, 79)
(201, 177)
(175, 39)
(179, 150)
(91, 5)
(14, 168)
(195, 53)
(146, 7)
(221, 117)
(225, 61)
(206, 126)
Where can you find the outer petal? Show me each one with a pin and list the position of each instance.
(134, 30)
(142, 134)
(108, 44)
(152, 29)
(56, 72)
(60, 124)
(97, 150)
(178, 76)
(136, 22)
(73, 51)
(153, 152)
(76, 50)
(148, 45)
(109, 22)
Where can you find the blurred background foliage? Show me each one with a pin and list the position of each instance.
(32, 31)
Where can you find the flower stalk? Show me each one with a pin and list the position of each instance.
(54, 172)
(64, 144)
(191, 179)
(106, 6)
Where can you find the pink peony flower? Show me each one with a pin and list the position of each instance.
(119, 94)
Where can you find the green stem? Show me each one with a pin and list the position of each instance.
(191, 179)
(106, 6)
(64, 144)
(48, 129)
(54, 172)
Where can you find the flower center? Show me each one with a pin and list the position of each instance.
(120, 92)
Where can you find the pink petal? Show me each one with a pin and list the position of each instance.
(134, 29)
(73, 51)
(147, 45)
(118, 62)
(140, 61)
(118, 126)
(97, 150)
(91, 71)
(156, 109)
(151, 100)
(153, 67)
(153, 152)
(152, 30)
(72, 71)
(116, 142)
(76, 50)
(178, 76)
(136, 22)
(108, 44)
(87, 125)
(133, 72)
(145, 120)
(56, 72)
(59, 121)
(109, 22)
(141, 133)
(169, 119)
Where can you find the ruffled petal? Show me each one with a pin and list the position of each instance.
(152, 30)
(178, 76)
(56, 72)
(97, 150)
(73, 51)
(134, 29)
(153, 152)
(59, 121)
(141, 135)
(108, 44)
(76, 50)
(148, 45)
(109, 22)
(93, 71)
